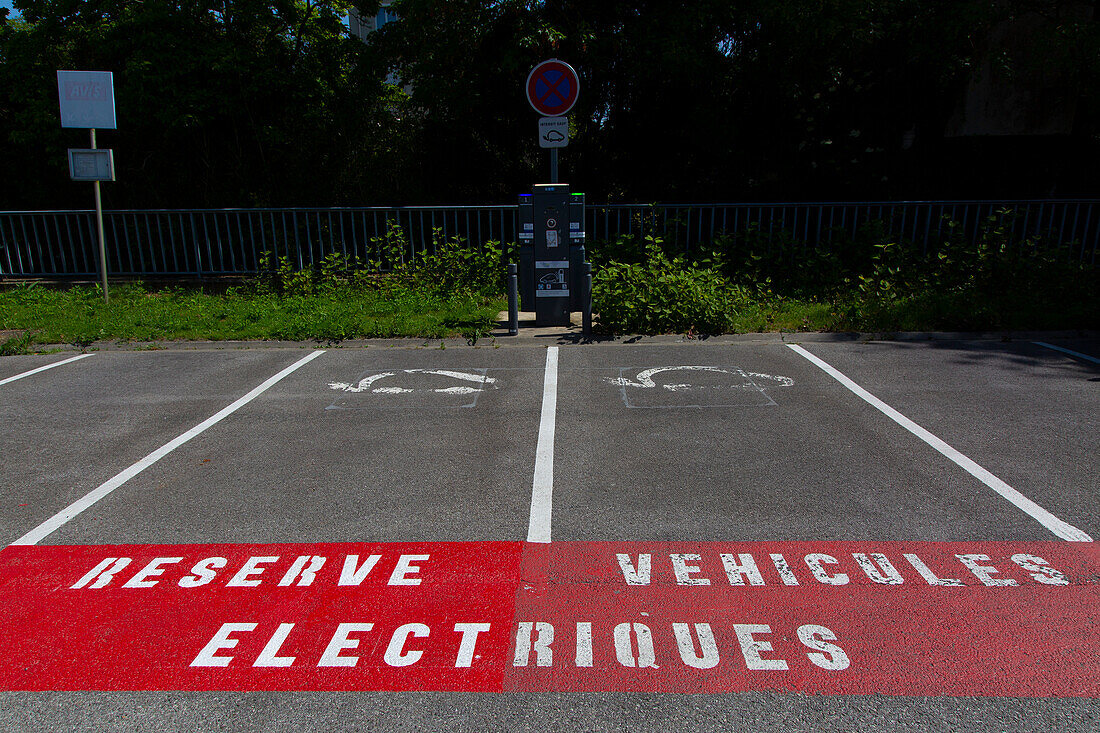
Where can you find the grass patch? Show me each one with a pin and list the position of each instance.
(455, 291)
(15, 345)
(778, 314)
(744, 283)
(79, 316)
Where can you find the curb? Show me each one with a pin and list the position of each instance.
(541, 337)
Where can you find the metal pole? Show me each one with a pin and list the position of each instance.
(586, 321)
(513, 301)
(99, 227)
(576, 278)
(553, 165)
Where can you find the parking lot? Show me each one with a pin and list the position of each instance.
(741, 533)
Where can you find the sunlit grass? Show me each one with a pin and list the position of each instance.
(78, 315)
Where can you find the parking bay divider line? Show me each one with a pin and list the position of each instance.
(1045, 345)
(55, 522)
(1060, 528)
(542, 486)
(44, 368)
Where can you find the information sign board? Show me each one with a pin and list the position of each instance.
(87, 99)
(91, 164)
(553, 132)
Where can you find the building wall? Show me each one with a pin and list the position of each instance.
(363, 27)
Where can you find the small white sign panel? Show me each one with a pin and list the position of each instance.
(553, 132)
(89, 164)
(87, 99)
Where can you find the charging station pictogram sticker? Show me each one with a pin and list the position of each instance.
(895, 618)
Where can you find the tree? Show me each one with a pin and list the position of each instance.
(724, 99)
(244, 102)
(219, 103)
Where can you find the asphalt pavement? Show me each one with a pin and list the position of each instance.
(567, 536)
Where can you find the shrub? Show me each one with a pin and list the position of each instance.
(662, 295)
(459, 269)
(866, 280)
(453, 269)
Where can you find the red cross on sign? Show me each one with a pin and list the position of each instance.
(552, 87)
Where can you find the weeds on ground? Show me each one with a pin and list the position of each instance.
(750, 281)
(656, 294)
(870, 282)
(446, 293)
(16, 345)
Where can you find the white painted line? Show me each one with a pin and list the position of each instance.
(742, 382)
(55, 522)
(542, 490)
(1044, 344)
(645, 378)
(456, 375)
(366, 382)
(43, 368)
(1054, 524)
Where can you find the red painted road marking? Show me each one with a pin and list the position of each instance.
(899, 618)
(981, 618)
(215, 617)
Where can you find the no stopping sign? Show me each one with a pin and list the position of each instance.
(552, 87)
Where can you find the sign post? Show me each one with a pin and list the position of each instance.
(87, 101)
(551, 253)
(552, 89)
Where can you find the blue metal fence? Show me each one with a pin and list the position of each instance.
(209, 242)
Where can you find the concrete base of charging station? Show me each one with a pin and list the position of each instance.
(527, 327)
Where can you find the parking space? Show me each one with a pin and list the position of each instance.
(359, 445)
(69, 429)
(14, 368)
(725, 518)
(750, 443)
(729, 442)
(1028, 414)
(725, 485)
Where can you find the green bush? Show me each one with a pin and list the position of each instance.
(457, 268)
(991, 284)
(662, 295)
(869, 281)
(452, 268)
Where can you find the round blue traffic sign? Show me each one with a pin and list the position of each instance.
(552, 88)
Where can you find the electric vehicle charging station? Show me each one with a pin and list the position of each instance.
(552, 253)
(553, 279)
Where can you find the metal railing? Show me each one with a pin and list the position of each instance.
(1074, 223)
(210, 242)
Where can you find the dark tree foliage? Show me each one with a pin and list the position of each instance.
(218, 104)
(745, 99)
(248, 103)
